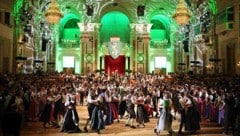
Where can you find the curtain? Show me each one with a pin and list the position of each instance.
(115, 65)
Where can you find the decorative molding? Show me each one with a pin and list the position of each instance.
(140, 57)
(115, 47)
(143, 28)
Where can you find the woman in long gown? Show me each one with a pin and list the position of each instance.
(165, 118)
(109, 119)
(71, 118)
(91, 103)
(46, 113)
(113, 105)
(33, 112)
(97, 121)
(192, 114)
(148, 105)
(122, 103)
(142, 116)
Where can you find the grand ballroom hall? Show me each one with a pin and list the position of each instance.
(142, 52)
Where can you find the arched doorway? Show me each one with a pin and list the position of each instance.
(68, 53)
(161, 53)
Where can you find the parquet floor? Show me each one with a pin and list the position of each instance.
(117, 129)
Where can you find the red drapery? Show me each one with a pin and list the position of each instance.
(114, 65)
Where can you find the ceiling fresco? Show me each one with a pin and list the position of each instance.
(158, 12)
(101, 7)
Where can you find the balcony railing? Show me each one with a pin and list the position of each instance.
(162, 44)
(68, 43)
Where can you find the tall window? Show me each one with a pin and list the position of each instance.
(160, 62)
(68, 61)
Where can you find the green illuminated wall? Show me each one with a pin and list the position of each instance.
(160, 31)
(69, 41)
(158, 34)
(115, 23)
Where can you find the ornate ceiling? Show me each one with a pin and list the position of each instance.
(100, 7)
(32, 11)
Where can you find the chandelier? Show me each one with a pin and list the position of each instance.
(182, 14)
(53, 14)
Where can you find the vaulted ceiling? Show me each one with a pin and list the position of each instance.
(128, 7)
(101, 7)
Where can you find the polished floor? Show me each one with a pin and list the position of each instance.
(117, 129)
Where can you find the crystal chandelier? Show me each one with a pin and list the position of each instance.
(182, 14)
(53, 15)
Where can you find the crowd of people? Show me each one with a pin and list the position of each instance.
(52, 100)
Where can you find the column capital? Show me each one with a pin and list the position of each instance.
(86, 27)
(143, 28)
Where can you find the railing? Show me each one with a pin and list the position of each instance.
(160, 44)
(67, 43)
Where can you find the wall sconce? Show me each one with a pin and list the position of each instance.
(210, 66)
(20, 45)
(238, 64)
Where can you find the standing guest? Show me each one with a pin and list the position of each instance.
(91, 103)
(155, 101)
(57, 108)
(12, 119)
(109, 119)
(221, 113)
(229, 115)
(2, 101)
(148, 105)
(158, 95)
(46, 113)
(130, 101)
(19, 105)
(237, 111)
(41, 100)
(113, 105)
(77, 90)
(193, 116)
(200, 103)
(208, 107)
(182, 111)
(62, 109)
(97, 120)
(82, 95)
(122, 103)
(189, 113)
(142, 116)
(165, 117)
(71, 119)
(33, 105)
(175, 102)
